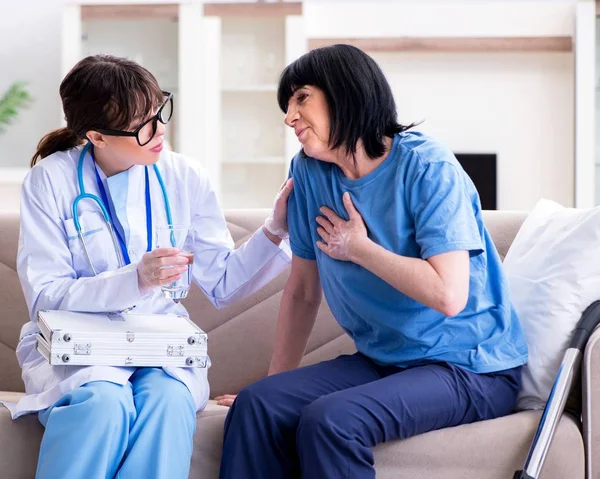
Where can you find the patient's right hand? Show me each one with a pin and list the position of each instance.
(226, 399)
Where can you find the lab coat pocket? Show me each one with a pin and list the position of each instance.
(98, 241)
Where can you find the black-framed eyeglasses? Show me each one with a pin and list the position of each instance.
(146, 131)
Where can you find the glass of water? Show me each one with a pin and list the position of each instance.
(182, 238)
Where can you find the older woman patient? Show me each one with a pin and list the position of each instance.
(386, 223)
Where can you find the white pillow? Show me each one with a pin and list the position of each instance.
(553, 271)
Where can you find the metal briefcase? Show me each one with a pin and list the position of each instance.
(99, 339)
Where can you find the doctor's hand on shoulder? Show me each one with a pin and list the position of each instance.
(160, 267)
(276, 227)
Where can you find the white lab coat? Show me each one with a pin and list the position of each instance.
(55, 273)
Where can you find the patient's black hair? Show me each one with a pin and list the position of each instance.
(359, 97)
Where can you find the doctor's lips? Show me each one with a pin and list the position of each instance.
(158, 148)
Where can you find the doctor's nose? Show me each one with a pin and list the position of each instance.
(160, 129)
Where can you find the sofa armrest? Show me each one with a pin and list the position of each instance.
(591, 404)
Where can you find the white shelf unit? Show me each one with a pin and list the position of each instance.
(222, 62)
(255, 152)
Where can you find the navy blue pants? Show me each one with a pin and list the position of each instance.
(321, 421)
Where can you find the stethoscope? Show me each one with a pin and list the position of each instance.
(118, 241)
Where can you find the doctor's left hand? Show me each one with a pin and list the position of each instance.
(159, 267)
(276, 223)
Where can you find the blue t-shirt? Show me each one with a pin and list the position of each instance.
(418, 203)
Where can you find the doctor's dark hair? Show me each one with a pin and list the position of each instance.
(101, 91)
(359, 97)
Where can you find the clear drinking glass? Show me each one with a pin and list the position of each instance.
(182, 238)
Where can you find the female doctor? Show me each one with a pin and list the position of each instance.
(105, 422)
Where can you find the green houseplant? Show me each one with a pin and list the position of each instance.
(14, 99)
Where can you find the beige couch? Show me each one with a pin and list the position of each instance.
(240, 343)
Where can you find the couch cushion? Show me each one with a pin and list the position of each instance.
(10, 396)
(13, 310)
(208, 442)
(491, 449)
(503, 227)
(21, 439)
(19, 442)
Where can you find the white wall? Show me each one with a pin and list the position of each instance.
(438, 18)
(597, 101)
(517, 105)
(30, 51)
(585, 112)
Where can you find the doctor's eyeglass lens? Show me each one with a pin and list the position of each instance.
(146, 131)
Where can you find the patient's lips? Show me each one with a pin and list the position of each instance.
(299, 132)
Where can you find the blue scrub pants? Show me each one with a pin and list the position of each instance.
(321, 421)
(143, 429)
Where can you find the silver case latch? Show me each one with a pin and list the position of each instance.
(82, 349)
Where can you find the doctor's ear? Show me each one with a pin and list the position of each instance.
(96, 138)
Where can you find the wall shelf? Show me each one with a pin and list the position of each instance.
(171, 10)
(452, 44)
(129, 12)
(262, 10)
